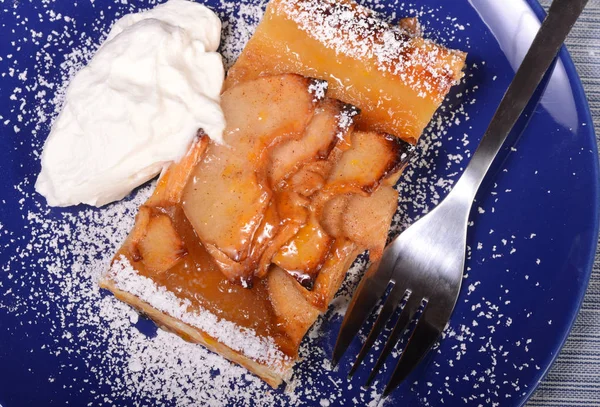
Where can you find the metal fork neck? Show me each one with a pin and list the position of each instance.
(546, 44)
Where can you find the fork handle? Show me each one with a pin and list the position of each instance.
(545, 46)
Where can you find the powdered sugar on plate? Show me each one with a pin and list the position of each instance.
(51, 259)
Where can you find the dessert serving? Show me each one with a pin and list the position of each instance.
(249, 234)
(243, 244)
(150, 265)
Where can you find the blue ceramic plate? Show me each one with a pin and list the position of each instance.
(533, 234)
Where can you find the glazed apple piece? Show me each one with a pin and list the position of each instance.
(171, 183)
(286, 214)
(294, 313)
(225, 201)
(227, 195)
(310, 178)
(274, 222)
(235, 271)
(284, 234)
(332, 215)
(330, 277)
(371, 158)
(366, 219)
(140, 228)
(270, 227)
(396, 77)
(332, 121)
(155, 242)
(304, 255)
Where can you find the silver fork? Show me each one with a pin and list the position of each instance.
(425, 263)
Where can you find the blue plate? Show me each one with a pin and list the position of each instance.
(532, 240)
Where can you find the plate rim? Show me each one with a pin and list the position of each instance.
(579, 95)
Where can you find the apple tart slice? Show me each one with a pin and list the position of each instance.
(239, 248)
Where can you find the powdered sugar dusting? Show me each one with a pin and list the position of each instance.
(318, 89)
(238, 27)
(244, 340)
(345, 119)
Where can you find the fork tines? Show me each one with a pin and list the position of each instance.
(423, 336)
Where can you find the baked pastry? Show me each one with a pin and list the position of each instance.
(242, 245)
(396, 77)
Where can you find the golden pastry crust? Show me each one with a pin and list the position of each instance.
(273, 377)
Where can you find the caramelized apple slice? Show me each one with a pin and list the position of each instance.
(371, 157)
(284, 234)
(161, 247)
(332, 121)
(292, 213)
(225, 201)
(226, 196)
(284, 217)
(392, 179)
(140, 228)
(366, 219)
(294, 313)
(342, 254)
(411, 26)
(332, 215)
(305, 253)
(363, 219)
(169, 188)
(266, 232)
(291, 207)
(309, 179)
(234, 271)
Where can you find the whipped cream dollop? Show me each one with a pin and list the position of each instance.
(136, 106)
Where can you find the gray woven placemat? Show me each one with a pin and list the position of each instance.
(574, 380)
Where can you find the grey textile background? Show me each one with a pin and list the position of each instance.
(574, 380)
